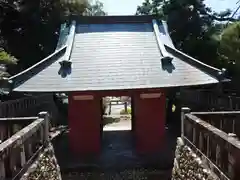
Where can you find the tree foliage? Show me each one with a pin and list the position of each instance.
(6, 58)
(229, 50)
(29, 29)
(95, 9)
(192, 25)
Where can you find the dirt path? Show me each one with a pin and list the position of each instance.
(122, 125)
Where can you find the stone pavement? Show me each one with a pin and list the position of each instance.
(123, 124)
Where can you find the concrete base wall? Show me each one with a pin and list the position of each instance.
(45, 167)
(187, 165)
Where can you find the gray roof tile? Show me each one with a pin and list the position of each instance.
(116, 56)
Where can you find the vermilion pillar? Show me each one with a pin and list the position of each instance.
(84, 122)
(149, 109)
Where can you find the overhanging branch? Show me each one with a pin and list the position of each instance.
(223, 18)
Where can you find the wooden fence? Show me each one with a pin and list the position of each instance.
(9, 126)
(25, 107)
(227, 121)
(219, 150)
(19, 151)
(208, 100)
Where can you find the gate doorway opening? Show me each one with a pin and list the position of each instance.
(117, 136)
(92, 133)
(117, 113)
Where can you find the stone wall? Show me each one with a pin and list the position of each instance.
(188, 166)
(45, 167)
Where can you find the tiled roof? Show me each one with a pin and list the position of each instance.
(115, 53)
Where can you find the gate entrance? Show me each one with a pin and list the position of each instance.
(117, 134)
(117, 113)
(145, 124)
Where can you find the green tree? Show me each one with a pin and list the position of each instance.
(29, 29)
(229, 50)
(6, 60)
(191, 25)
(95, 9)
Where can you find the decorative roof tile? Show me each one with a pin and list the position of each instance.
(114, 53)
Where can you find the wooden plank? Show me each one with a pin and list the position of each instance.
(2, 169)
(229, 123)
(20, 137)
(23, 155)
(45, 116)
(225, 148)
(214, 130)
(217, 113)
(18, 119)
(28, 163)
(214, 169)
(150, 95)
(83, 98)
(216, 101)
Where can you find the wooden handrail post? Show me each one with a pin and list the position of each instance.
(125, 107)
(22, 155)
(185, 110)
(2, 170)
(46, 118)
(230, 102)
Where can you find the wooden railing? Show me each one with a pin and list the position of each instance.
(219, 150)
(19, 151)
(9, 126)
(227, 121)
(24, 107)
(207, 101)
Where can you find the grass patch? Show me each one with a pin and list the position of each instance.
(129, 111)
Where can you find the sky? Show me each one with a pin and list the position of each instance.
(128, 7)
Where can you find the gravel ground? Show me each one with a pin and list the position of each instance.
(134, 174)
(117, 155)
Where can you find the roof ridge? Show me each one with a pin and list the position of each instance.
(167, 58)
(66, 63)
(112, 19)
(70, 41)
(63, 35)
(159, 42)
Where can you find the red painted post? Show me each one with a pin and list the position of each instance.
(84, 122)
(150, 121)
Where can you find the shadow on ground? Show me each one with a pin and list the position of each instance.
(110, 120)
(117, 158)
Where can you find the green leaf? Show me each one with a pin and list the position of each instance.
(6, 58)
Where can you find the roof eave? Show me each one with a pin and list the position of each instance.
(112, 19)
(212, 71)
(23, 76)
(65, 50)
(109, 89)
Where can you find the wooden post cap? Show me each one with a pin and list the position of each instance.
(42, 114)
(186, 110)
